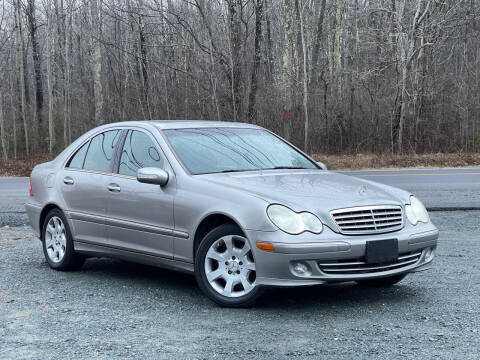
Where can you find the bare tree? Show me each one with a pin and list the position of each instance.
(36, 58)
(50, 45)
(21, 71)
(252, 98)
(96, 28)
(333, 76)
(2, 131)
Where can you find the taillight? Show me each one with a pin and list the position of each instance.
(31, 187)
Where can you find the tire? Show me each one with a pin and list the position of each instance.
(382, 282)
(57, 243)
(233, 269)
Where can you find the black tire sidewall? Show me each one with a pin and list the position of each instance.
(70, 260)
(215, 234)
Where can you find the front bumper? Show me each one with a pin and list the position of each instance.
(332, 257)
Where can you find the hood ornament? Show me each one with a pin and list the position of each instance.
(362, 190)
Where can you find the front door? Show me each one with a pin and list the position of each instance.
(140, 216)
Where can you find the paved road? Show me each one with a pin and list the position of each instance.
(438, 188)
(13, 193)
(112, 310)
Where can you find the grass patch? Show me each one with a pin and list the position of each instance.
(385, 161)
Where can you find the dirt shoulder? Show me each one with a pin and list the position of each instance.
(23, 167)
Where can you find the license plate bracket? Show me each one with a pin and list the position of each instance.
(381, 251)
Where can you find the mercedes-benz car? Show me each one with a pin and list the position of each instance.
(233, 203)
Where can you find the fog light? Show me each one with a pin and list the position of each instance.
(429, 254)
(300, 268)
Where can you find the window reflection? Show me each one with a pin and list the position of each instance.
(210, 150)
(138, 152)
(100, 151)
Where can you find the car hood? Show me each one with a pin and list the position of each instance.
(316, 191)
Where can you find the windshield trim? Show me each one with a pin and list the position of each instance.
(187, 170)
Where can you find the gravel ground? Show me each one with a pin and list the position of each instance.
(113, 309)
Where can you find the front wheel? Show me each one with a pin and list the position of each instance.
(382, 282)
(225, 268)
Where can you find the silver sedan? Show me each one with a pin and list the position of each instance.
(232, 203)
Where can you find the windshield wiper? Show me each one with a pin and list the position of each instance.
(234, 170)
(274, 168)
(285, 167)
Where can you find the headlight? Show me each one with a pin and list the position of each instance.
(416, 211)
(293, 223)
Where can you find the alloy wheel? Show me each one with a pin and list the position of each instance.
(55, 239)
(230, 267)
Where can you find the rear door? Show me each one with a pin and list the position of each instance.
(140, 216)
(84, 186)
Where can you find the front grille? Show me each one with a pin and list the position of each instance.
(359, 266)
(368, 219)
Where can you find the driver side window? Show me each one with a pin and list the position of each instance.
(139, 151)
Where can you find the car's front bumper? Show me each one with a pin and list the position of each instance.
(333, 257)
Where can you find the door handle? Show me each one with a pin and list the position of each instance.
(68, 180)
(113, 187)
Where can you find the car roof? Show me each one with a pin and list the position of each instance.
(189, 124)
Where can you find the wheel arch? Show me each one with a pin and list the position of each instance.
(43, 214)
(210, 222)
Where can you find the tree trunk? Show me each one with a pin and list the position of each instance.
(96, 28)
(269, 47)
(66, 87)
(318, 40)
(305, 80)
(143, 64)
(252, 111)
(51, 125)
(287, 68)
(235, 54)
(14, 116)
(2, 131)
(21, 72)
(36, 58)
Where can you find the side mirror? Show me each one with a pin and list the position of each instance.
(322, 165)
(152, 175)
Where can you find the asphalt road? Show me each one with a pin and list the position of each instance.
(437, 188)
(112, 309)
(13, 193)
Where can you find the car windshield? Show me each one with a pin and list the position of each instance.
(214, 150)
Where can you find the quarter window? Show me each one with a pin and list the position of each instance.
(139, 151)
(76, 161)
(101, 150)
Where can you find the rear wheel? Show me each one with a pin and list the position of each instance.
(225, 268)
(382, 282)
(58, 243)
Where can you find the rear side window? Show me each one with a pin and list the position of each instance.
(139, 151)
(100, 152)
(76, 161)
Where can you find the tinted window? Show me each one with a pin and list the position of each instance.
(210, 150)
(138, 152)
(76, 161)
(101, 151)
